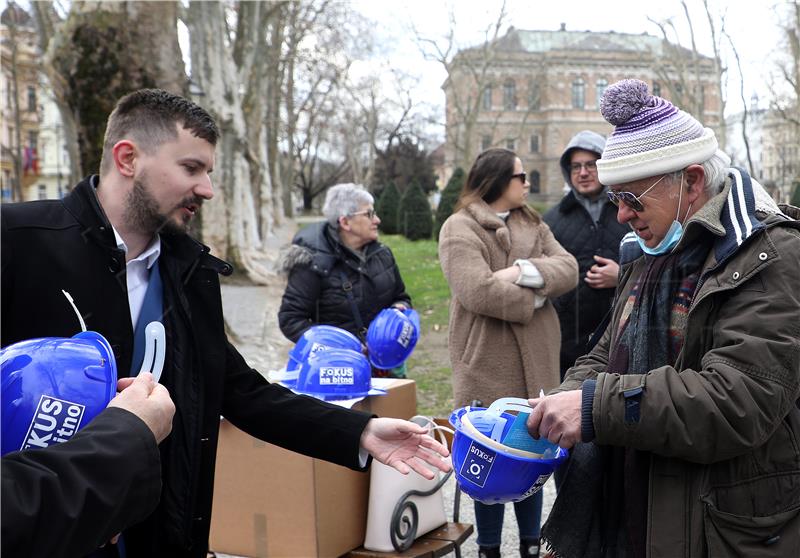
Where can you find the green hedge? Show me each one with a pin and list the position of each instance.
(416, 221)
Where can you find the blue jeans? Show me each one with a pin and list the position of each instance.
(489, 520)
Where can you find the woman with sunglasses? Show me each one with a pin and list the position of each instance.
(339, 274)
(503, 266)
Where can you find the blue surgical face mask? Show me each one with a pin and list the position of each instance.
(673, 235)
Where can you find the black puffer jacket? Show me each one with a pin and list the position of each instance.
(581, 310)
(315, 293)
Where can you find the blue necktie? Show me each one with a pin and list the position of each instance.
(152, 310)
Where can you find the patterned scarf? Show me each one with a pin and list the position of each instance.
(650, 335)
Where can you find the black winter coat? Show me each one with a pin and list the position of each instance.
(47, 492)
(582, 310)
(315, 292)
(69, 244)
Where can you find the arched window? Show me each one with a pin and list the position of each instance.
(578, 93)
(600, 86)
(510, 95)
(534, 143)
(533, 178)
(486, 101)
(486, 142)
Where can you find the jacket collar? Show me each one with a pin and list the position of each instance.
(730, 216)
(185, 252)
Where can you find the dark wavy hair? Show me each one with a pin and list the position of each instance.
(489, 178)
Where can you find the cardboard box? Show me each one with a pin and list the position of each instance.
(272, 503)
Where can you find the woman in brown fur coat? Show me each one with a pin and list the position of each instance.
(503, 266)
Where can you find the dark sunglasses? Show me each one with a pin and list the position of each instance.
(370, 213)
(629, 198)
(521, 175)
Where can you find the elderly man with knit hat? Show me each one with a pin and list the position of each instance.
(684, 419)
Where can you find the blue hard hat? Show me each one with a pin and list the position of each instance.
(487, 469)
(391, 337)
(52, 387)
(336, 374)
(314, 339)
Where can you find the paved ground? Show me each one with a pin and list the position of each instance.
(251, 318)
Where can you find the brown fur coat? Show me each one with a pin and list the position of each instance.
(500, 346)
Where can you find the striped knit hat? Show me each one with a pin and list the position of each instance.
(652, 135)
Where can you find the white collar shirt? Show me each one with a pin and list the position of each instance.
(137, 274)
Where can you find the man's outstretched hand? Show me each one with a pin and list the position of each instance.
(404, 445)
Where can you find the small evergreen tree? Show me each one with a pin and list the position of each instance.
(416, 221)
(448, 200)
(388, 208)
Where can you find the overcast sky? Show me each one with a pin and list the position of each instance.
(751, 24)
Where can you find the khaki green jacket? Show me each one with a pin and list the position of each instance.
(723, 425)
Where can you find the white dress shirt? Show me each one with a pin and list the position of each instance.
(138, 274)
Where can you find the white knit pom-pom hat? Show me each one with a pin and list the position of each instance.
(652, 136)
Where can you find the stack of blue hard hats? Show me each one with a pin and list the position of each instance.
(391, 337)
(487, 466)
(316, 339)
(52, 387)
(336, 374)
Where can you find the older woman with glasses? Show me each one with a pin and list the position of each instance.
(339, 274)
(503, 266)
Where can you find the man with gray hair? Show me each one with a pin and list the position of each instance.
(687, 407)
(339, 274)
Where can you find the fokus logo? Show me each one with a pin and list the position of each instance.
(54, 421)
(336, 376)
(478, 463)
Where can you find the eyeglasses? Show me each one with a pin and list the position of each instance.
(629, 198)
(370, 213)
(521, 175)
(591, 166)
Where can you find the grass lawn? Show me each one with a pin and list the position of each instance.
(429, 366)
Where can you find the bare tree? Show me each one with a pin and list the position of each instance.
(469, 73)
(685, 70)
(786, 91)
(15, 17)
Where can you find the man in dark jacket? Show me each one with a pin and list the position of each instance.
(585, 223)
(118, 244)
(343, 251)
(54, 502)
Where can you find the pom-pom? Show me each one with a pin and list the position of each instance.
(624, 99)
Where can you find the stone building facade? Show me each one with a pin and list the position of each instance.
(531, 91)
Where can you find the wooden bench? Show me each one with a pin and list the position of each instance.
(439, 542)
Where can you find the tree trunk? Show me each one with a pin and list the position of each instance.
(230, 223)
(103, 51)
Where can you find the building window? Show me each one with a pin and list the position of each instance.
(510, 95)
(31, 99)
(534, 143)
(486, 101)
(601, 86)
(511, 144)
(533, 178)
(578, 93)
(656, 89)
(534, 96)
(42, 192)
(33, 139)
(486, 142)
(678, 91)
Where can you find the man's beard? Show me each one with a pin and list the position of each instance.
(142, 212)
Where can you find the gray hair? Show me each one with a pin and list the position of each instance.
(343, 200)
(715, 168)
